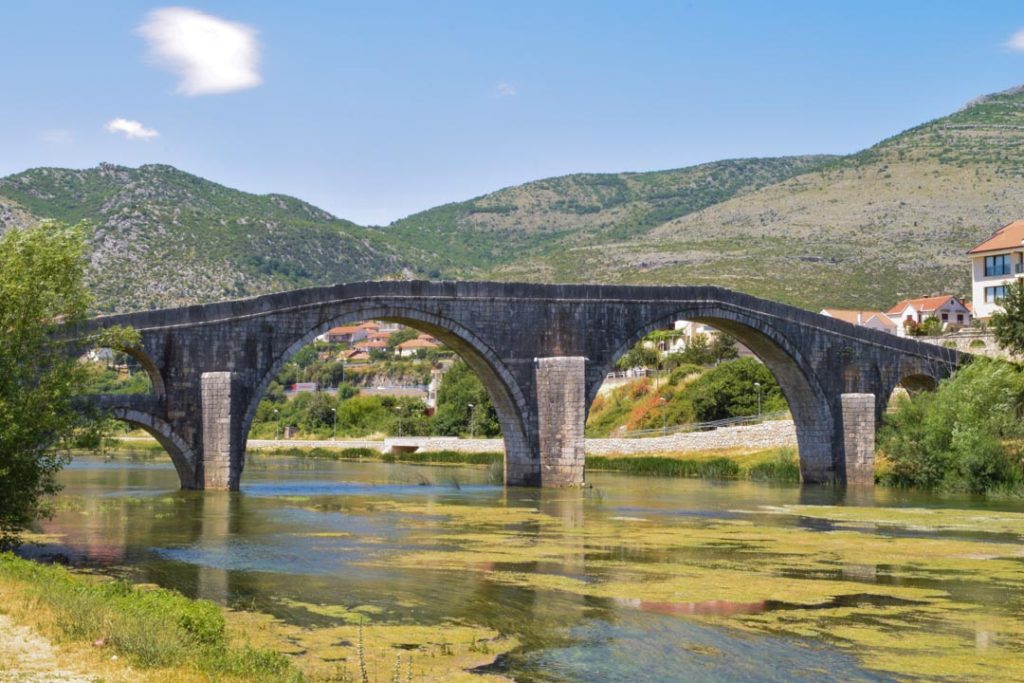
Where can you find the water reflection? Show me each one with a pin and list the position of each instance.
(305, 533)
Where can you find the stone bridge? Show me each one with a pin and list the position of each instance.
(541, 351)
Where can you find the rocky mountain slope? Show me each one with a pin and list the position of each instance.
(863, 230)
(162, 237)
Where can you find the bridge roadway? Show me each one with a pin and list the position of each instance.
(541, 351)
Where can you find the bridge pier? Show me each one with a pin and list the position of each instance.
(561, 413)
(858, 439)
(222, 431)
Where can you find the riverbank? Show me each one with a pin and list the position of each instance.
(73, 626)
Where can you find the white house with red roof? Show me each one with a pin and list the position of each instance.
(995, 264)
(876, 320)
(948, 309)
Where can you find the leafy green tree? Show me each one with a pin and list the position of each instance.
(730, 390)
(401, 336)
(1008, 324)
(42, 286)
(640, 356)
(930, 327)
(463, 406)
(723, 348)
(960, 436)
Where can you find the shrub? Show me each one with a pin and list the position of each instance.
(954, 438)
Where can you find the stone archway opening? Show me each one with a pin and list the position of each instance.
(181, 454)
(122, 371)
(789, 380)
(910, 385)
(393, 364)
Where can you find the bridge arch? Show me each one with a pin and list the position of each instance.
(813, 413)
(509, 401)
(182, 455)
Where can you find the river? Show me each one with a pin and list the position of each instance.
(631, 579)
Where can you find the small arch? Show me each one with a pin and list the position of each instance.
(506, 396)
(916, 383)
(156, 380)
(181, 453)
(808, 402)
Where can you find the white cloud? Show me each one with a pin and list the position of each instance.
(504, 89)
(133, 130)
(209, 54)
(56, 136)
(1016, 42)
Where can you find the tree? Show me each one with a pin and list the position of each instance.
(42, 293)
(929, 328)
(723, 348)
(730, 390)
(463, 406)
(1008, 324)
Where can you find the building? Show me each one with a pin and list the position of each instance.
(414, 346)
(876, 320)
(948, 309)
(995, 264)
(371, 345)
(344, 335)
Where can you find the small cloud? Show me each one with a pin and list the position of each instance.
(504, 89)
(209, 54)
(56, 136)
(1016, 42)
(133, 130)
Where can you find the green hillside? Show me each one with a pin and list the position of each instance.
(864, 230)
(162, 237)
(545, 217)
(889, 222)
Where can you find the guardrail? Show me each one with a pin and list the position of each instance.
(703, 426)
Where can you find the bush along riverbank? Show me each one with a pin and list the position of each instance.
(966, 436)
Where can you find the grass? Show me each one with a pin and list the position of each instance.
(779, 465)
(151, 628)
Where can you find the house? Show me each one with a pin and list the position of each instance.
(414, 346)
(948, 309)
(355, 356)
(876, 320)
(995, 264)
(372, 345)
(345, 335)
(686, 330)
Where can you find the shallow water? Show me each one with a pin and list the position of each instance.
(633, 579)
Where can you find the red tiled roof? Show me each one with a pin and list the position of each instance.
(348, 329)
(1010, 236)
(925, 303)
(417, 344)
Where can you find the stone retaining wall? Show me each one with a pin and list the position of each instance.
(772, 434)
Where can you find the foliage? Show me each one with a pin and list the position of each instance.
(642, 355)
(41, 287)
(152, 627)
(730, 390)
(651, 465)
(463, 405)
(1008, 324)
(929, 327)
(957, 437)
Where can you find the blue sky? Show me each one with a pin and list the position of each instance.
(377, 110)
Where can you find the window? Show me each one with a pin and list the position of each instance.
(994, 294)
(960, 318)
(945, 317)
(997, 265)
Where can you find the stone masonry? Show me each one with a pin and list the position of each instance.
(561, 412)
(211, 364)
(859, 438)
(222, 438)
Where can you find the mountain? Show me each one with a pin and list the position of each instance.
(541, 219)
(162, 237)
(862, 230)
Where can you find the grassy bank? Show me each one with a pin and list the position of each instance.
(779, 464)
(150, 629)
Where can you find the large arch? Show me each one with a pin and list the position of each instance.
(808, 402)
(183, 457)
(509, 401)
